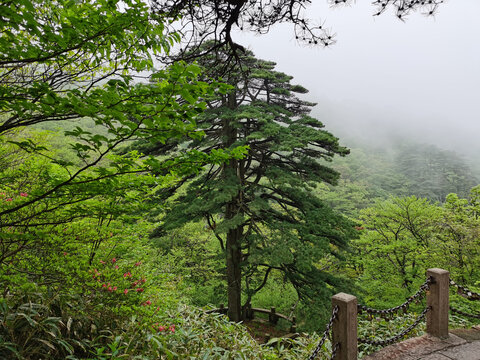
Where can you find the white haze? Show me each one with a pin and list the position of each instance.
(418, 79)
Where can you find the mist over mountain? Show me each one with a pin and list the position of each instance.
(379, 127)
(378, 130)
(385, 81)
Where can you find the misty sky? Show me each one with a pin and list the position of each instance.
(419, 78)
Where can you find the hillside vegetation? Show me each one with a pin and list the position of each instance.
(133, 199)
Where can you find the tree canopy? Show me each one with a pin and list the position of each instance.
(78, 63)
(65, 61)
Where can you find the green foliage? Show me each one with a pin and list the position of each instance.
(79, 306)
(36, 233)
(347, 198)
(247, 165)
(65, 327)
(192, 253)
(457, 242)
(467, 306)
(402, 237)
(99, 172)
(53, 54)
(279, 294)
(61, 62)
(395, 244)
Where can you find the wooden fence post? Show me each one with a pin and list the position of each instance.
(272, 317)
(344, 329)
(437, 299)
(293, 326)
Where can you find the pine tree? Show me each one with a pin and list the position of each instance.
(261, 207)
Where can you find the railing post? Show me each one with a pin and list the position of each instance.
(251, 314)
(437, 299)
(344, 328)
(272, 317)
(247, 312)
(293, 327)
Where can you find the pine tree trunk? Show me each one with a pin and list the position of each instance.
(234, 236)
(234, 279)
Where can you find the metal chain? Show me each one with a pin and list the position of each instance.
(460, 312)
(415, 297)
(334, 351)
(398, 336)
(325, 334)
(462, 290)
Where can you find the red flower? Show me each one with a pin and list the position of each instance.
(102, 262)
(110, 289)
(114, 261)
(172, 328)
(116, 267)
(139, 289)
(114, 288)
(104, 285)
(138, 263)
(143, 280)
(23, 194)
(162, 328)
(8, 199)
(148, 302)
(125, 291)
(127, 274)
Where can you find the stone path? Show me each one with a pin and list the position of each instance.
(462, 344)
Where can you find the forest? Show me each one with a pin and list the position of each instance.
(144, 183)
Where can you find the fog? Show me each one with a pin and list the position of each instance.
(385, 78)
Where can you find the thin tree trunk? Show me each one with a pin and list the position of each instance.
(234, 274)
(234, 236)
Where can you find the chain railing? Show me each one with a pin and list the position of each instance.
(334, 351)
(325, 335)
(343, 323)
(400, 335)
(345, 311)
(460, 312)
(420, 294)
(466, 293)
